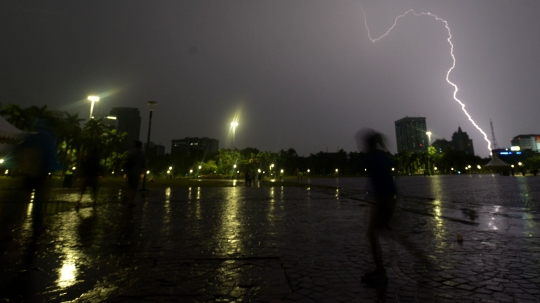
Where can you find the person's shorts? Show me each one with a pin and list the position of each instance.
(133, 181)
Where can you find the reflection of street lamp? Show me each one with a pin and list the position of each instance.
(151, 106)
(429, 138)
(93, 99)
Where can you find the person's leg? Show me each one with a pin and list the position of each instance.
(83, 189)
(94, 189)
(375, 246)
(133, 183)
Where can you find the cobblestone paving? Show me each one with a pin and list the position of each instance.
(274, 244)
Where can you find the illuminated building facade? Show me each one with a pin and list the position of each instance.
(411, 134)
(190, 145)
(526, 142)
(462, 142)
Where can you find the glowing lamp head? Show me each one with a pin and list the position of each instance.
(93, 98)
(151, 105)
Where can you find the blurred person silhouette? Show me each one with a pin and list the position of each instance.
(247, 178)
(90, 167)
(35, 159)
(383, 194)
(134, 166)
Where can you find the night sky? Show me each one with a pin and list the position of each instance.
(297, 73)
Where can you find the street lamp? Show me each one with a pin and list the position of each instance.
(93, 99)
(151, 106)
(429, 138)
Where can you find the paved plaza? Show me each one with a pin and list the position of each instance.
(278, 242)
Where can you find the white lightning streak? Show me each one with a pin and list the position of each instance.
(451, 53)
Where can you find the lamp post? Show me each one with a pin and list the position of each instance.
(151, 106)
(429, 138)
(93, 99)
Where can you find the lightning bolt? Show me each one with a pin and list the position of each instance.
(411, 11)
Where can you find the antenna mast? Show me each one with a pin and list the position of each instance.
(495, 145)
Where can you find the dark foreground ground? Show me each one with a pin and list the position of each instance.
(276, 244)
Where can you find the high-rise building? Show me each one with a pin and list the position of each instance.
(192, 144)
(411, 134)
(461, 142)
(526, 142)
(127, 120)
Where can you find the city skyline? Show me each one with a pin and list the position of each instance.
(300, 74)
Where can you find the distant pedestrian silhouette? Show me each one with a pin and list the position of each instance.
(133, 168)
(247, 178)
(90, 168)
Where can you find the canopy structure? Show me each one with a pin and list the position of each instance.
(496, 162)
(9, 133)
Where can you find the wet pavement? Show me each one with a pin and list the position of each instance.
(277, 244)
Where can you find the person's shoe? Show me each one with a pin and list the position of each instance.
(378, 275)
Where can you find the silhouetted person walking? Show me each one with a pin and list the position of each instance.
(90, 167)
(247, 178)
(133, 167)
(383, 191)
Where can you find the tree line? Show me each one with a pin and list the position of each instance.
(72, 140)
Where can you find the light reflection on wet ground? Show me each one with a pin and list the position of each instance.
(237, 243)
